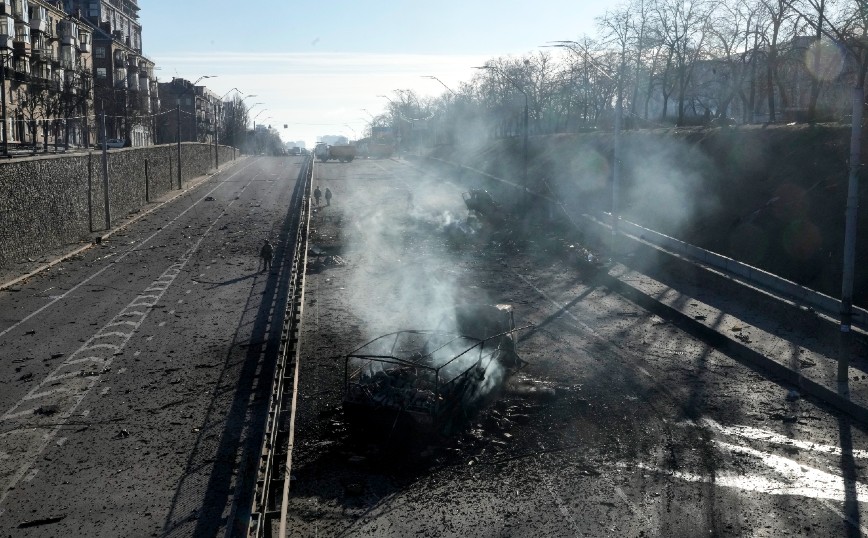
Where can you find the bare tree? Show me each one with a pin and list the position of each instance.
(683, 27)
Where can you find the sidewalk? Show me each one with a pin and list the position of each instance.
(18, 272)
(754, 326)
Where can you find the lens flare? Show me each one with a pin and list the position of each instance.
(824, 60)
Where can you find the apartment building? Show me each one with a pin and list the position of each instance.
(45, 61)
(201, 111)
(125, 87)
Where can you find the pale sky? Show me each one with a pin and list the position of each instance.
(315, 66)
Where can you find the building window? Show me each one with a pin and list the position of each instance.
(99, 52)
(101, 72)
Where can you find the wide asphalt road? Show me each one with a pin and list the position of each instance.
(619, 424)
(133, 377)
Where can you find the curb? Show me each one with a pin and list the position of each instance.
(737, 350)
(191, 184)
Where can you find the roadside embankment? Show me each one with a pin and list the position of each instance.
(773, 197)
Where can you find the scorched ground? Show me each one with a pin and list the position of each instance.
(618, 423)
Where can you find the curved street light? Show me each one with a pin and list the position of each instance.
(432, 77)
(572, 46)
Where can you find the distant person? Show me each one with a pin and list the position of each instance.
(266, 253)
(316, 195)
(328, 196)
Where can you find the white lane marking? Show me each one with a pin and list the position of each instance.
(90, 358)
(61, 377)
(137, 353)
(62, 441)
(162, 324)
(562, 308)
(150, 338)
(122, 371)
(119, 258)
(562, 506)
(44, 394)
(100, 346)
(31, 475)
(853, 523)
(628, 502)
(180, 301)
(130, 323)
(113, 333)
(188, 292)
(105, 391)
(28, 443)
(171, 312)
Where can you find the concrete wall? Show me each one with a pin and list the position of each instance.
(51, 201)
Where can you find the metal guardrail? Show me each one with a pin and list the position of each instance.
(741, 271)
(271, 492)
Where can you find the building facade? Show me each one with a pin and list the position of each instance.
(45, 72)
(125, 88)
(200, 111)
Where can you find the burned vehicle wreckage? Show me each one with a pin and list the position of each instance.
(430, 381)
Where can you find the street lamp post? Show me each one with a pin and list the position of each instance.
(619, 118)
(216, 130)
(441, 83)
(178, 101)
(257, 115)
(450, 139)
(3, 98)
(5, 45)
(525, 122)
(396, 123)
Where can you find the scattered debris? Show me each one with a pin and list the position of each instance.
(26, 377)
(793, 395)
(209, 198)
(429, 380)
(40, 522)
(94, 373)
(46, 410)
(122, 434)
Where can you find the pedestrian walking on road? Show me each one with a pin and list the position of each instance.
(266, 253)
(316, 194)
(328, 196)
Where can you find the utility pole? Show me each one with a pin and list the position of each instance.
(3, 98)
(851, 219)
(216, 145)
(105, 177)
(179, 143)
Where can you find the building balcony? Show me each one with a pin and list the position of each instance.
(20, 77)
(42, 53)
(18, 10)
(22, 33)
(22, 47)
(6, 8)
(38, 25)
(84, 42)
